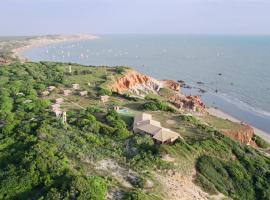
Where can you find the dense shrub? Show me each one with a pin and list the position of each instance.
(120, 69)
(93, 188)
(244, 178)
(103, 91)
(260, 142)
(136, 195)
(157, 105)
(114, 120)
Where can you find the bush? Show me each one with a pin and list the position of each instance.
(103, 91)
(136, 195)
(94, 188)
(120, 69)
(245, 178)
(157, 105)
(206, 185)
(260, 142)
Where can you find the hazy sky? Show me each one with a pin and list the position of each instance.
(33, 17)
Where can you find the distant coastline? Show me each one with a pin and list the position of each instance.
(47, 40)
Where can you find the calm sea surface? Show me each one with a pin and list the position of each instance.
(238, 67)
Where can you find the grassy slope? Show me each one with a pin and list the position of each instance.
(63, 159)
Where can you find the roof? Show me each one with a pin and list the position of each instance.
(164, 135)
(143, 122)
(149, 128)
(83, 93)
(142, 117)
(59, 100)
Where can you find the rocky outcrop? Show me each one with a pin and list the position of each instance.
(138, 83)
(135, 82)
(190, 102)
(243, 134)
(171, 84)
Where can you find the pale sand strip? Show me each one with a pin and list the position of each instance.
(47, 40)
(223, 115)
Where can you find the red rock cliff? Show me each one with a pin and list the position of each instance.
(135, 82)
(171, 84)
(243, 134)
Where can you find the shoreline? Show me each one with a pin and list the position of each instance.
(221, 114)
(41, 41)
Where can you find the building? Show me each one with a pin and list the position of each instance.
(45, 93)
(51, 88)
(75, 86)
(59, 100)
(83, 93)
(65, 92)
(56, 109)
(144, 124)
(58, 112)
(55, 106)
(104, 98)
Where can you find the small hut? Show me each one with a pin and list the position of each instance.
(51, 88)
(45, 93)
(55, 106)
(83, 93)
(59, 100)
(58, 112)
(20, 94)
(75, 86)
(104, 98)
(65, 92)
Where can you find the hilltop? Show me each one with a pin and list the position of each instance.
(91, 152)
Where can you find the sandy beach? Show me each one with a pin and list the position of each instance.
(223, 115)
(47, 40)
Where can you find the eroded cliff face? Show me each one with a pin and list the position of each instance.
(243, 134)
(189, 102)
(171, 84)
(134, 82)
(138, 83)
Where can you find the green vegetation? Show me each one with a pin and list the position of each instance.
(156, 105)
(243, 178)
(104, 91)
(260, 142)
(42, 157)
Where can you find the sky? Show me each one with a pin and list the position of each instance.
(40, 17)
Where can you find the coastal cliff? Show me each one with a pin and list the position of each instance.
(137, 83)
(134, 82)
(93, 133)
(244, 134)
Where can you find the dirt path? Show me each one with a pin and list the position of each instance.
(180, 187)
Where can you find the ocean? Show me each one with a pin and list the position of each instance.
(234, 70)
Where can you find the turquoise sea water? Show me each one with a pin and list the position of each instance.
(243, 62)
